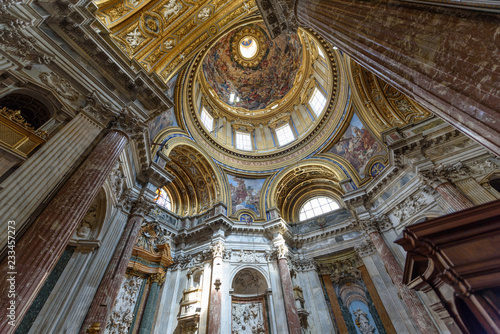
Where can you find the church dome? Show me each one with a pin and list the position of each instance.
(246, 69)
(258, 103)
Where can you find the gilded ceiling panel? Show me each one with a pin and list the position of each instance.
(163, 35)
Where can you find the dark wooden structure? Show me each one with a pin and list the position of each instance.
(460, 251)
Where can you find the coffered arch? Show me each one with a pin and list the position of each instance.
(197, 183)
(296, 184)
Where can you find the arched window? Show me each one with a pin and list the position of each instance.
(163, 199)
(317, 206)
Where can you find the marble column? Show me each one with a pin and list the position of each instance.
(438, 178)
(148, 317)
(410, 299)
(292, 315)
(43, 243)
(27, 188)
(104, 298)
(448, 66)
(214, 312)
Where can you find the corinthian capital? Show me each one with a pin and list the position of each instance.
(218, 248)
(440, 174)
(282, 251)
(127, 123)
(365, 248)
(141, 207)
(375, 224)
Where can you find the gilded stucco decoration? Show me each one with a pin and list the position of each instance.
(381, 105)
(164, 35)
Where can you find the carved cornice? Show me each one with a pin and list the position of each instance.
(278, 15)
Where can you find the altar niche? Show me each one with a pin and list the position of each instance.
(249, 311)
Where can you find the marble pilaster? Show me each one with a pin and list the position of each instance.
(67, 306)
(454, 197)
(109, 287)
(423, 60)
(214, 313)
(292, 315)
(43, 243)
(477, 193)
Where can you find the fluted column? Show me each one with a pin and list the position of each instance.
(41, 246)
(438, 177)
(292, 316)
(110, 284)
(415, 307)
(148, 316)
(214, 313)
(448, 66)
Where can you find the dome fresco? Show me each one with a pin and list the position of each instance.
(255, 85)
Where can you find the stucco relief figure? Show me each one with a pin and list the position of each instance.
(134, 38)
(363, 322)
(88, 222)
(171, 9)
(247, 319)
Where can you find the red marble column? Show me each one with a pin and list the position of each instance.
(110, 284)
(443, 58)
(291, 309)
(411, 300)
(454, 197)
(214, 312)
(42, 245)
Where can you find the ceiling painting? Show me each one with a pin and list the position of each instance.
(358, 146)
(265, 77)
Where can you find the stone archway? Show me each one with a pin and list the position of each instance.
(248, 303)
